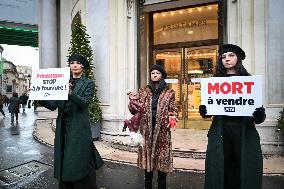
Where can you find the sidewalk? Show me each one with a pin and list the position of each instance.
(189, 146)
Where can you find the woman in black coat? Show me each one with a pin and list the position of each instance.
(74, 163)
(233, 156)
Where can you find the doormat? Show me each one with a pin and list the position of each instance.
(15, 174)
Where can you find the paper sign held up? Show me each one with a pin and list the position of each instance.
(233, 96)
(50, 84)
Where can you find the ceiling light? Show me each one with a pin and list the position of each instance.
(190, 32)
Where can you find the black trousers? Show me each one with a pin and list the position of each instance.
(232, 144)
(88, 182)
(162, 180)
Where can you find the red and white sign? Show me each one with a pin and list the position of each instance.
(50, 84)
(233, 96)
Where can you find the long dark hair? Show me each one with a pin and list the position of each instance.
(220, 70)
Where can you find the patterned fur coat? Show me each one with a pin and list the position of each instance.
(155, 152)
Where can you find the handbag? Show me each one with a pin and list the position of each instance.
(97, 158)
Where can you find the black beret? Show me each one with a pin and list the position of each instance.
(160, 69)
(232, 48)
(79, 58)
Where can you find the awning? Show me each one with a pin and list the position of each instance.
(18, 36)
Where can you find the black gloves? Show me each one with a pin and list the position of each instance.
(203, 111)
(259, 115)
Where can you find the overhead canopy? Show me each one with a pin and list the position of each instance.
(18, 36)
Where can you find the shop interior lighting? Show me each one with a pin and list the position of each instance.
(168, 55)
(189, 10)
(191, 55)
(195, 72)
(190, 32)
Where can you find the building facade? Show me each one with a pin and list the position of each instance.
(128, 36)
(15, 79)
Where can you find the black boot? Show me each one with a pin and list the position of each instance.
(148, 179)
(162, 180)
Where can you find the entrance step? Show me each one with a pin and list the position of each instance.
(191, 153)
(192, 123)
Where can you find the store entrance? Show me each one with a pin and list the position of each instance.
(185, 67)
(185, 42)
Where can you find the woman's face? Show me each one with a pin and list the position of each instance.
(229, 60)
(76, 67)
(156, 75)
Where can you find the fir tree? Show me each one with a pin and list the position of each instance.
(80, 44)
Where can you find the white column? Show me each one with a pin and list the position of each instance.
(100, 29)
(112, 33)
(47, 34)
(65, 33)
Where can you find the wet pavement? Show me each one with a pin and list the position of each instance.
(17, 146)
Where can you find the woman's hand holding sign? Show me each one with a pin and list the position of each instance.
(259, 115)
(203, 111)
(70, 88)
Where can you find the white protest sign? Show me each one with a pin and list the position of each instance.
(50, 84)
(233, 96)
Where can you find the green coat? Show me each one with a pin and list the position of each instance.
(78, 138)
(252, 162)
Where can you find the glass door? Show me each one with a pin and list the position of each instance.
(171, 60)
(199, 63)
(185, 67)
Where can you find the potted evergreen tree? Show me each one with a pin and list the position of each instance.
(80, 44)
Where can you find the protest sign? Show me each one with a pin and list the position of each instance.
(233, 96)
(50, 84)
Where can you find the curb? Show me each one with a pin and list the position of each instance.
(184, 161)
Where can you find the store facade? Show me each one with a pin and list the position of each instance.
(128, 36)
(185, 41)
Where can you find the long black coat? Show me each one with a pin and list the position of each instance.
(251, 156)
(77, 146)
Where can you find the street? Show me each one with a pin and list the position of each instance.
(18, 147)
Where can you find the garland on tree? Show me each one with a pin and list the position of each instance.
(80, 44)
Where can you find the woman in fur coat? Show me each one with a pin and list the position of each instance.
(155, 152)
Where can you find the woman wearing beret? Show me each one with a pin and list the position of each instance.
(73, 146)
(233, 156)
(155, 152)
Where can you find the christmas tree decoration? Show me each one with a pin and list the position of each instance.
(80, 44)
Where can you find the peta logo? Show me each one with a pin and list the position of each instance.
(229, 109)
